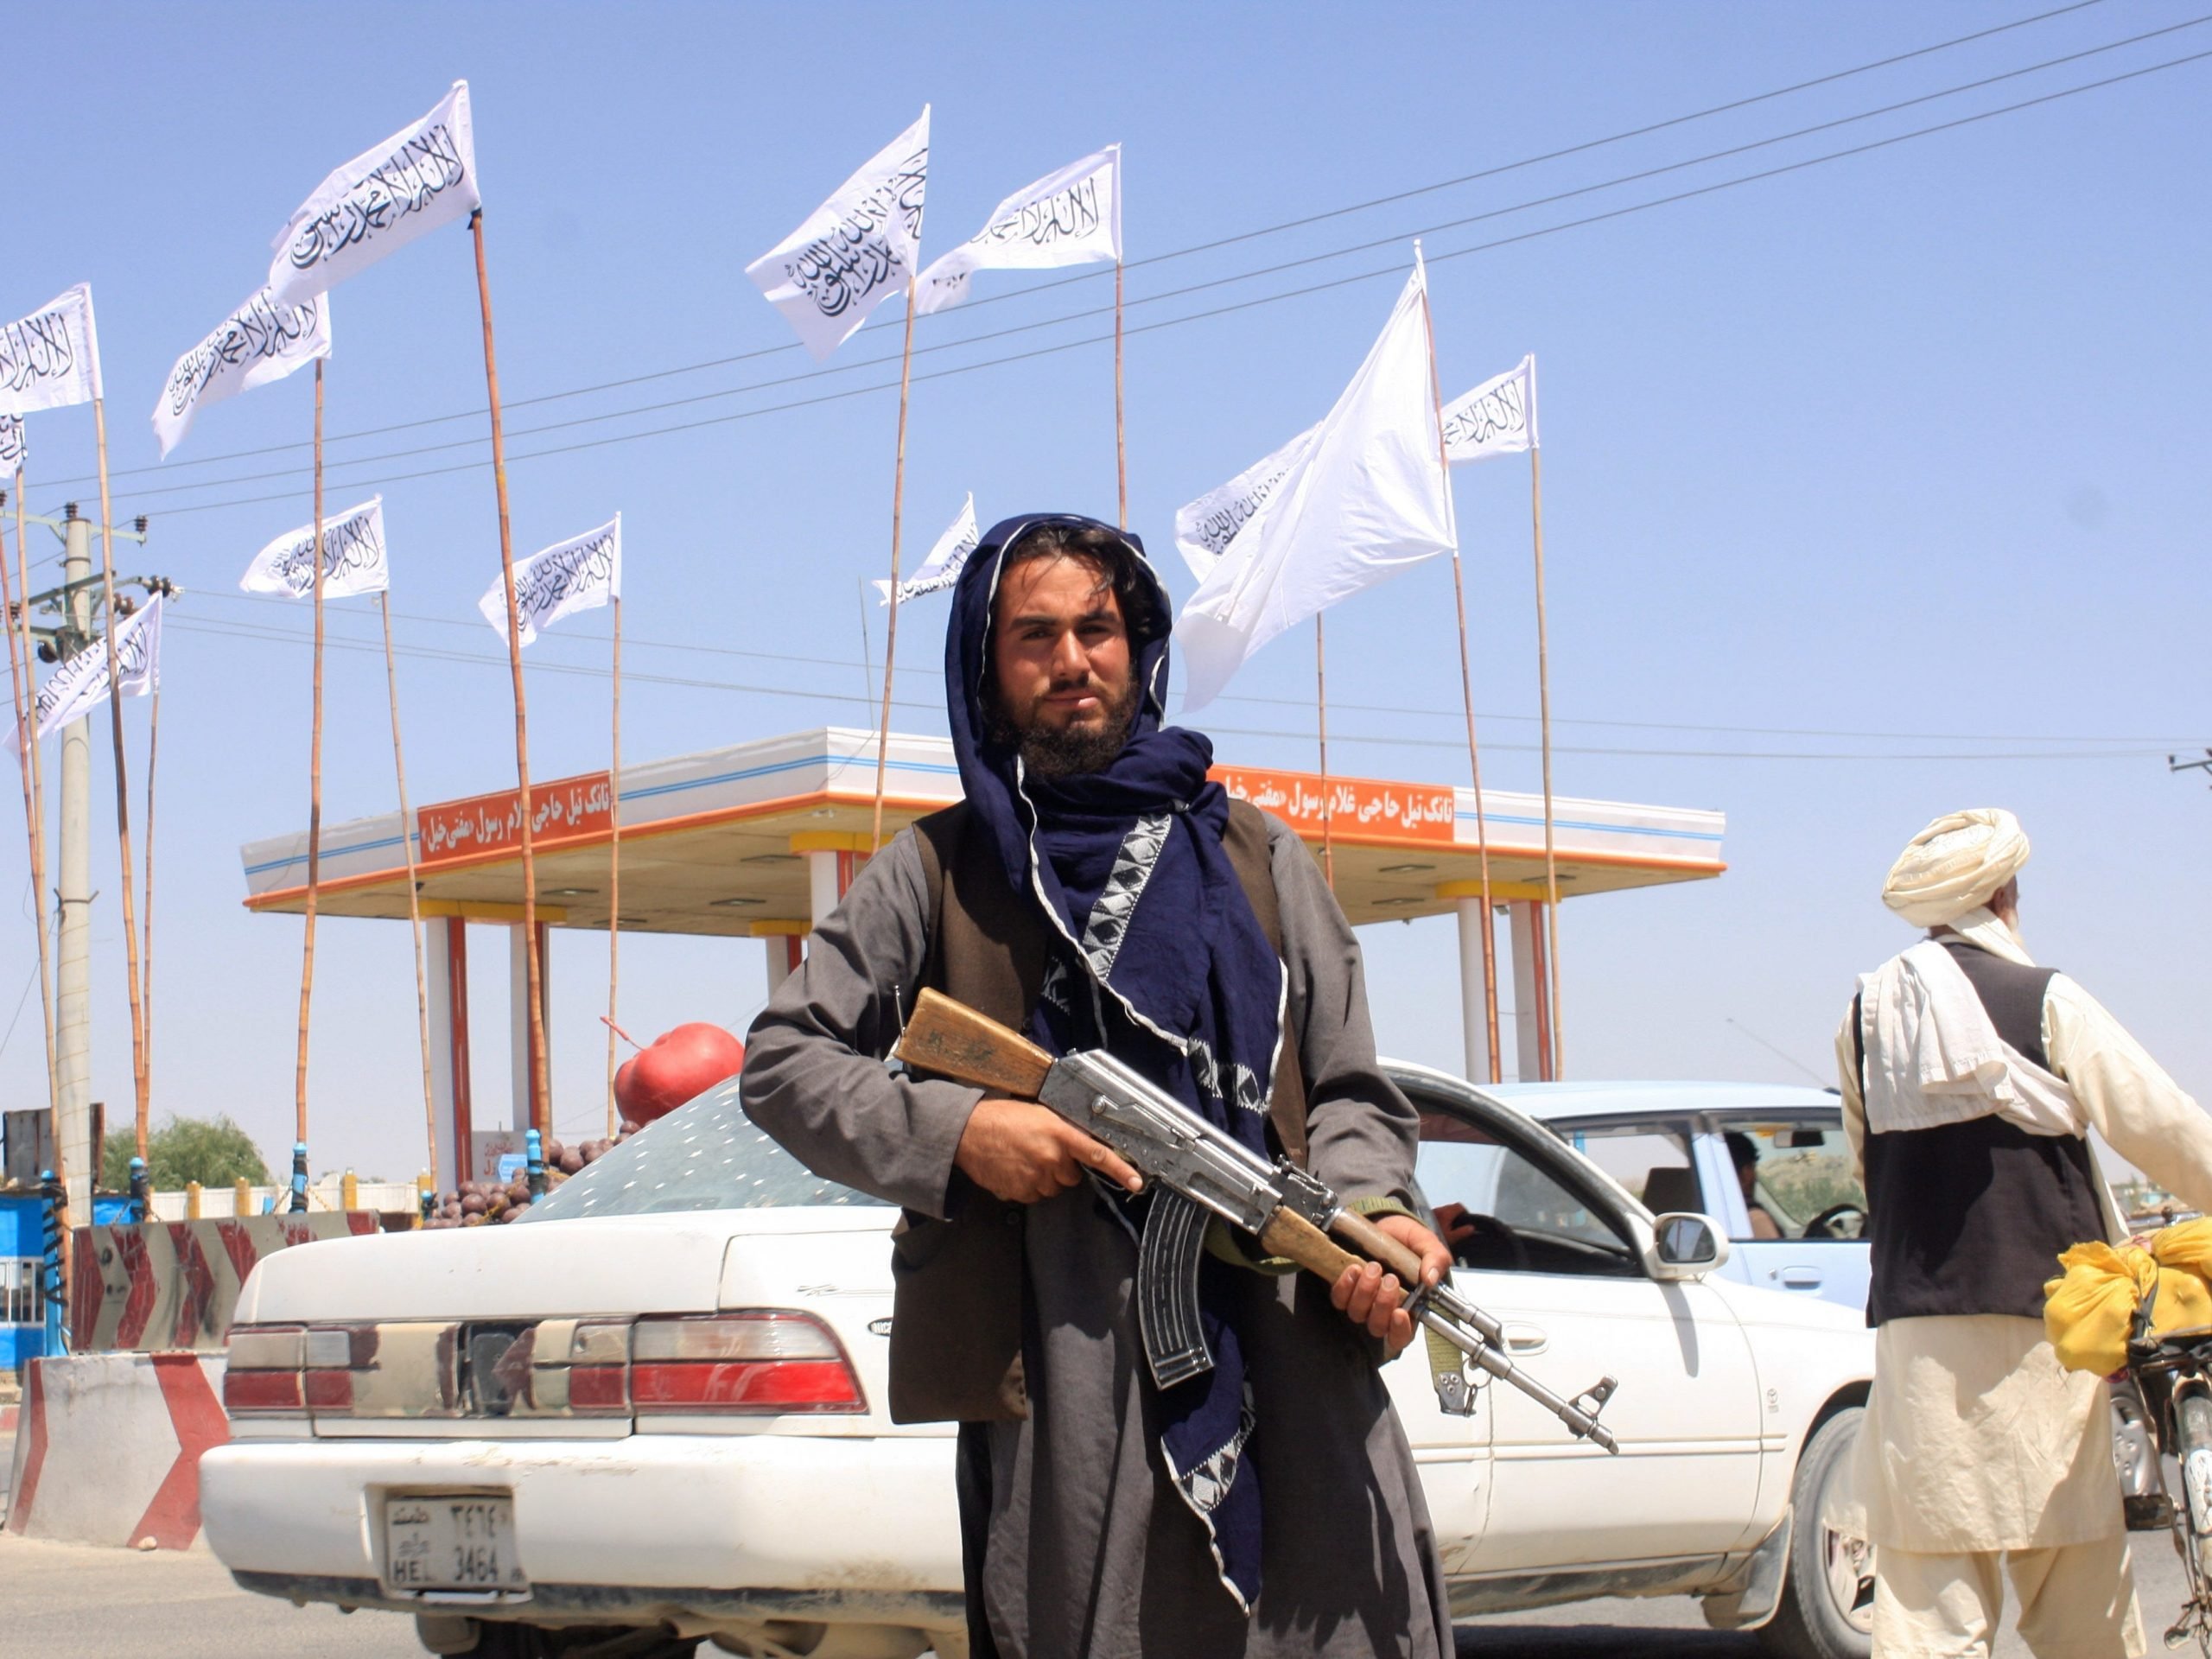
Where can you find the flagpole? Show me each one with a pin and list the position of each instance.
(1321, 702)
(1467, 693)
(122, 781)
(1121, 428)
(541, 1113)
(1544, 709)
(24, 685)
(413, 891)
(891, 628)
(614, 869)
(315, 797)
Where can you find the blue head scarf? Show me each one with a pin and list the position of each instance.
(1157, 957)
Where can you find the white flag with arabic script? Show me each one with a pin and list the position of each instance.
(421, 177)
(578, 576)
(856, 249)
(80, 685)
(1498, 417)
(1072, 217)
(15, 444)
(52, 358)
(1204, 528)
(946, 560)
(259, 342)
(1369, 498)
(353, 558)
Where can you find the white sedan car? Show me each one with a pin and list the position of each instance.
(654, 1413)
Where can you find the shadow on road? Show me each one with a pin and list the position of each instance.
(1517, 1641)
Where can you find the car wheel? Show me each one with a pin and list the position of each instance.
(1828, 1598)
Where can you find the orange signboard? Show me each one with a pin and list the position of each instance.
(1356, 806)
(569, 809)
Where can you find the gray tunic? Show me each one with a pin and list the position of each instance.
(1090, 1550)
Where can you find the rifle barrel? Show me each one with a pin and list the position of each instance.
(1500, 1366)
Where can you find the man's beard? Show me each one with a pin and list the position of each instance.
(1072, 750)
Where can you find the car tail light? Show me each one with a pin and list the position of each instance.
(261, 1371)
(293, 1370)
(331, 1354)
(575, 1368)
(763, 1363)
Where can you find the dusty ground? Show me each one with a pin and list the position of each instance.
(63, 1601)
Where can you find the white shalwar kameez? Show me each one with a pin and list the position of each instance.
(1978, 1449)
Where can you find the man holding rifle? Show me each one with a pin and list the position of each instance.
(1095, 890)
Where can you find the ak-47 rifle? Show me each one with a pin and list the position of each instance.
(1208, 1173)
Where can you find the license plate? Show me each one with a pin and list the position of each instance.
(451, 1542)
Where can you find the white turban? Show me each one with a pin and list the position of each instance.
(1955, 865)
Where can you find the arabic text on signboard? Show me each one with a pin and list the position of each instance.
(569, 809)
(1356, 806)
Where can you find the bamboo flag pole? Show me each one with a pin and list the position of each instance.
(413, 894)
(1544, 710)
(541, 1113)
(1120, 425)
(122, 781)
(314, 798)
(1467, 693)
(891, 628)
(614, 873)
(1321, 703)
(23, 685)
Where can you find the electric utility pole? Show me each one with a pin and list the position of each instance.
(74, 605)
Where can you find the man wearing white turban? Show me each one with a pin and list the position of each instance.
(1970, 1079)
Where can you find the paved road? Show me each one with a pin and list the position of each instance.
(70, 1601)
(61, 1601)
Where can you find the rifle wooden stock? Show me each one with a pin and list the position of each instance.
(953, 1040)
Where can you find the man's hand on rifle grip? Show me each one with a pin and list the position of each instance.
(1370, 1297)
(1022, 1153)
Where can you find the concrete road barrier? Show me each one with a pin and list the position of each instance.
(162, 1285)
(108, 1447)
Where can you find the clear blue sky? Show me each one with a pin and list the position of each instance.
(1908, 446)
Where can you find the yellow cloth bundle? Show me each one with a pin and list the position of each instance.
(2088, 1310)
(2187, 1246)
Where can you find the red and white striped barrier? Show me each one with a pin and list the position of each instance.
(108, 1447)
(161, 1285)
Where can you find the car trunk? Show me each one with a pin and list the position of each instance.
(721, 1321)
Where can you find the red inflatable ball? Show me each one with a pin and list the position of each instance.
(675, 1067)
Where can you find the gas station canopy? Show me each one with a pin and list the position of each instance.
(761, 840)
(716, 842)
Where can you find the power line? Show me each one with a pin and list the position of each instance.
(1035, 289)
(840, 664)
(290, 638)
(1238, 306)
(855, 365)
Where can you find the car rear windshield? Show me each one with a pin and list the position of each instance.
(704, 1155)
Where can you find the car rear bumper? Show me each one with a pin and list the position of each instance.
(716, 1529)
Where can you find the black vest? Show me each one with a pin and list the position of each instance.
(1970, 1217)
